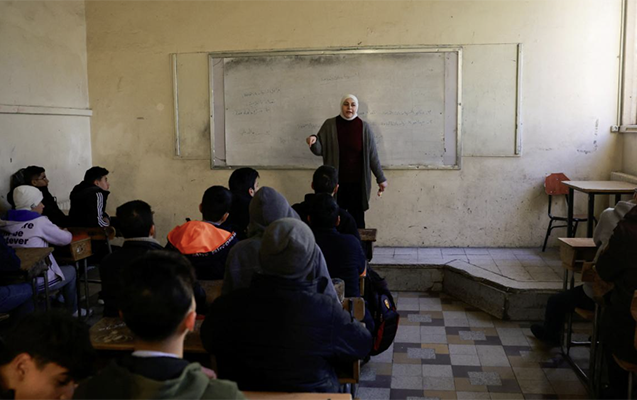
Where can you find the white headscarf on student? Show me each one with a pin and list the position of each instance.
(340, 107)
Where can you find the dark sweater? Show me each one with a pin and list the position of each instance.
(350, 150)
(239, 215)
(344, 257)
(347, 225)
(88, 206)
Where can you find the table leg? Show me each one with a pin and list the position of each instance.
(569, 219)
(86, 286)
(78, 287)
(591, 214)
(46, 291)
(34, 286)
(618, 198)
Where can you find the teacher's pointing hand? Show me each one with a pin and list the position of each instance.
(311, 140)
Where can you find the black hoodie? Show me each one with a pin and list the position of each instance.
(88, 206)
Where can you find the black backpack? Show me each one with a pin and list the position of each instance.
(382, 308)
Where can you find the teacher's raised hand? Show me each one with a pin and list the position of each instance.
(311, 140)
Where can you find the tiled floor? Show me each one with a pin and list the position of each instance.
(446, 349)
(520, 264)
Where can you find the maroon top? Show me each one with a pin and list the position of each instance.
(350, 150)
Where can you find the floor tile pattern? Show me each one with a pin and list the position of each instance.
(446, 349)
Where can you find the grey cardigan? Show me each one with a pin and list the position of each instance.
(327, 146)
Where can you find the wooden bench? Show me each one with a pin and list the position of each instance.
(79, 250)
(368, 237)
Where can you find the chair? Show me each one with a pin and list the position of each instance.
(553, 187)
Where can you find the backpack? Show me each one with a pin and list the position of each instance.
(382, 308)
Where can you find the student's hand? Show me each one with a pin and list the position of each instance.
(381, 188)
(311, 140)
(209, 373)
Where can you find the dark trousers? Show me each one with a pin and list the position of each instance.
(562, 303)
(350, 198)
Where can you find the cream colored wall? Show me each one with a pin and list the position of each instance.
(43, 66)
(568, 103)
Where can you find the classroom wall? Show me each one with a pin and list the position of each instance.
(568, 104)
(43, 70)
(630, 154)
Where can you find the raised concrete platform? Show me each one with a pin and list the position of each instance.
(510, 284)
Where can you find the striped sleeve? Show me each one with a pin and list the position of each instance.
(100, 210)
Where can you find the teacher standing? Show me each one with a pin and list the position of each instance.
(346, 142)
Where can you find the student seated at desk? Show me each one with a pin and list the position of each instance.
(343, 253)
(562, 303)
(14, 298)
(135, 220)
(243, 183)
(26, 227)
(267, 207)
(88, 200)
(158, 306)
(618, 264)
(325, 180)
(283, 333)
(36, 176)
(44, 357)
(203, 242)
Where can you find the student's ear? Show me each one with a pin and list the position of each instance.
(312, 186)
(251, 192)
(152, 231)
(309, 220)
(22, 363)
(338, 220)
(200, 208)
(224, 218)
(335, 190)
(189, 321)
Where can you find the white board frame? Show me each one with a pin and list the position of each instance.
(217, 139)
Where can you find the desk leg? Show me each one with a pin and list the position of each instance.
(34, 286)
(78, 286)
(569, 219)
(618, 198)
(591, 214)
(88, 305)
(46, 291)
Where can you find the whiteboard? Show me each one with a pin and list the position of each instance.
(264, 105)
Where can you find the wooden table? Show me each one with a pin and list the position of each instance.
(368, 237)
(78, 250)
(593, 188)
(574, 253)
(296, 396)
(35, 262)
(113, 334)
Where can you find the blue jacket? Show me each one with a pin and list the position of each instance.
(282, 335)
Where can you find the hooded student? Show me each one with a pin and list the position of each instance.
(27, 227)
(267, 206)
(290, 335)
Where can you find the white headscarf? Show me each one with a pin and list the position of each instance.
(349, 96)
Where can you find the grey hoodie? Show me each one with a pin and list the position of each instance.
(267, 206)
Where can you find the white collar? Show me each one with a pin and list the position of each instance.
(149, 353)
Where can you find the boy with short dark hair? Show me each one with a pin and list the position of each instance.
(243, 183)
(88, 199)
(44, 357)
(325, 180)
(159, 308)
(203, 242)
(135, 221)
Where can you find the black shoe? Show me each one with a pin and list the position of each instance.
(541, 333)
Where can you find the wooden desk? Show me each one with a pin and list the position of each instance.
(575, 251)
(113, 334)
(296, 396)
(593, 188)
(78, 250)
(212, 289)
(35, 262)
(368, 237)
